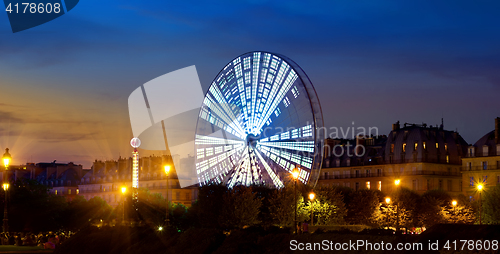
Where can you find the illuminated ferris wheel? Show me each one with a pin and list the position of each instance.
(259, 120)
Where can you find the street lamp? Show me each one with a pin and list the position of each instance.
(397, 182)
(6, 161)
(6, 158)
(124, 190)
(480, 189)
(311, 197)
(167, 171)
(454, 204)
(295, 175)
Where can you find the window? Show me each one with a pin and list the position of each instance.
(347, 185)
(56, 192)
(447, 159)
(423, 145)
(469, 165)
(178, 195)
(368, 173)
(347, 174)
(392, 148)
(485, 165)
(440, 184)
(326, 175)
(437, 145)
(357, 173)
(450, 187)
(498, 164)
(77, 191)
(357, 186)
(446, 147)
(484, 179)
(188, 196)
(368, 185)
(428, 184)
(380, 185)
(471, 181)
(498, 179)
(69, 192)
(379, 172)
(416, 146)
(404, 147)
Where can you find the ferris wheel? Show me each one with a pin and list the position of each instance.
(260, 119)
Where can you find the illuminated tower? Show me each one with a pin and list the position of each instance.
(135, 143)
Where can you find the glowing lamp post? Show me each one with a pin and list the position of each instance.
(6, 161)
(311, 197)
(124, 190)
(397, 182)
(167, 172)
(295, 175)
(454, 204)
(480, 189)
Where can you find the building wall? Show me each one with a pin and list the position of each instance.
(419, 177)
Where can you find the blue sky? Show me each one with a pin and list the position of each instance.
(65, 83)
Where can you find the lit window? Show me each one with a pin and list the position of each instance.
(392, 148)
(56, 192)
(437, 145)
(447, 159)
(471, 181)
(380, 185)
(368, 185)
(446, 147)
(423, 144)
(77, 191)
(404, 147)
(416, 146)
(69, 192)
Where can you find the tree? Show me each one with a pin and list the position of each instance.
(432, 207)
(362, 207)
(241, 208)
(282, 206)
(210, 203)
(328, 206)
(491, 207)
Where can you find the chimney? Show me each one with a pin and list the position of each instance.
(396, 126)
(497, 130)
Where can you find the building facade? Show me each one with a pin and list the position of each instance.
(423, 158)
(481, 165)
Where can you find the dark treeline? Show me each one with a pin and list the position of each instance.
(32, 208)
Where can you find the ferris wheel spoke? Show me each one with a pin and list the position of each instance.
(274, 177)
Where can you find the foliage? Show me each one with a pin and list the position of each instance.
(328, 207)
(241, 208)
(490, 205)
(282, 206)
(362, 206)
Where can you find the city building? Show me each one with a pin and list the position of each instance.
(422, 157)
(105, 180)
(481, 165)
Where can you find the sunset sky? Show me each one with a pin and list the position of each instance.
(64, 85)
